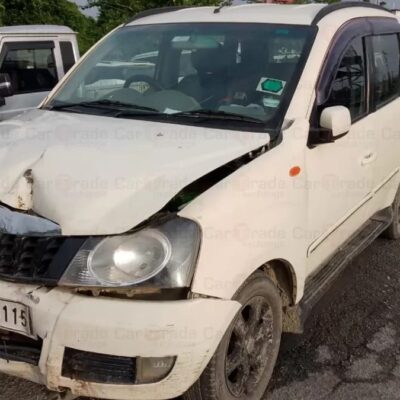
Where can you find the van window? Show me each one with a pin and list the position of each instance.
(31, 69)
(67, 54)
(387, 67)
(349, 86)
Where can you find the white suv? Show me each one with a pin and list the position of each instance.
(189, 191)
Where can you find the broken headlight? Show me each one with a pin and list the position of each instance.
(161, 256)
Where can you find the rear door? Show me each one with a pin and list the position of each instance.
(32, 68)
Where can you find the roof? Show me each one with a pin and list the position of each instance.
(35, 29)
(253, 13)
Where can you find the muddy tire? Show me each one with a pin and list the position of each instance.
(244, 361)
(393, 232)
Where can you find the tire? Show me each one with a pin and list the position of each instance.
(252, 360)
(393, 232)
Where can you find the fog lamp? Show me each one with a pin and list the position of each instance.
(152, 370)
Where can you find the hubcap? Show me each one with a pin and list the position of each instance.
(249, 347)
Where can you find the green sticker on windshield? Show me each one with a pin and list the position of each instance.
(272, 86)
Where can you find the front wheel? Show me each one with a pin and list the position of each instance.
(244, 361)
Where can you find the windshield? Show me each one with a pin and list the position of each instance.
(239, 72)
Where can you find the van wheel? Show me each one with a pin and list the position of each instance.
(244, 361)
(393, 232)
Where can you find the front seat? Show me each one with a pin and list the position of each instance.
(209, 86)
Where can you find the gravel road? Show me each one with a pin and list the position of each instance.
(351, 347)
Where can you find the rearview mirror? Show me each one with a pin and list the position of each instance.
(336, 120)
(6, 89)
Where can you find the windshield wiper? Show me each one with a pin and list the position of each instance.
(104, 104)
(126, 110)
(215, 114)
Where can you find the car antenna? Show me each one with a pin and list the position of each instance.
(225, 3)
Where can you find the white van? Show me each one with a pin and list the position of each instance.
(33, 59)
(159, 235)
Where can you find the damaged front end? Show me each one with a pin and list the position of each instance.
(154, 260)
(78, 262)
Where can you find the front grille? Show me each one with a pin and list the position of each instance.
(14, 347)
(27, 259)
(98, 368)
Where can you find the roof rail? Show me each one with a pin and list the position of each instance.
(155, 11)
(339, 6)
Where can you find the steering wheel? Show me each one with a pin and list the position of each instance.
(143, 78)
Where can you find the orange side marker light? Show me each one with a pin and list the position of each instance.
(295, 171)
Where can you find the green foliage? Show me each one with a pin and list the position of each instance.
(2, 13)
(59, 12)
(63, 12)
(115, 12)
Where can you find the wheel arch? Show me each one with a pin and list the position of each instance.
(282, 273)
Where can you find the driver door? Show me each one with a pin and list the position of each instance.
(340, 173)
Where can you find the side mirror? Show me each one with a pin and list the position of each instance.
(337, 120)
(334, 123)
(6, 89)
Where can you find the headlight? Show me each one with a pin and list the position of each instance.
(163, 256)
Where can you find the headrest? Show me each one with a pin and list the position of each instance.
(209, 61)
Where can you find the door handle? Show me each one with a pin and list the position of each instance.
(368, 158)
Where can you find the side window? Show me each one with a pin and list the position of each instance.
(349, 86)
(386, 57)
(67, 54)
(31, 69)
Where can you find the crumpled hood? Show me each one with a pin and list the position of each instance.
(98, 175)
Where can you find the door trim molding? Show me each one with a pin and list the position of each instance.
(321, 239)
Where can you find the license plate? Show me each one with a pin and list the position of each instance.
(15, 317)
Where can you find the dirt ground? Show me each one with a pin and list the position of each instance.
(351, 347)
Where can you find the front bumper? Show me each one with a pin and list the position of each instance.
(191, 330)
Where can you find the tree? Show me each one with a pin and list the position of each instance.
(115, 12)
(2, 13)
(60, 12)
